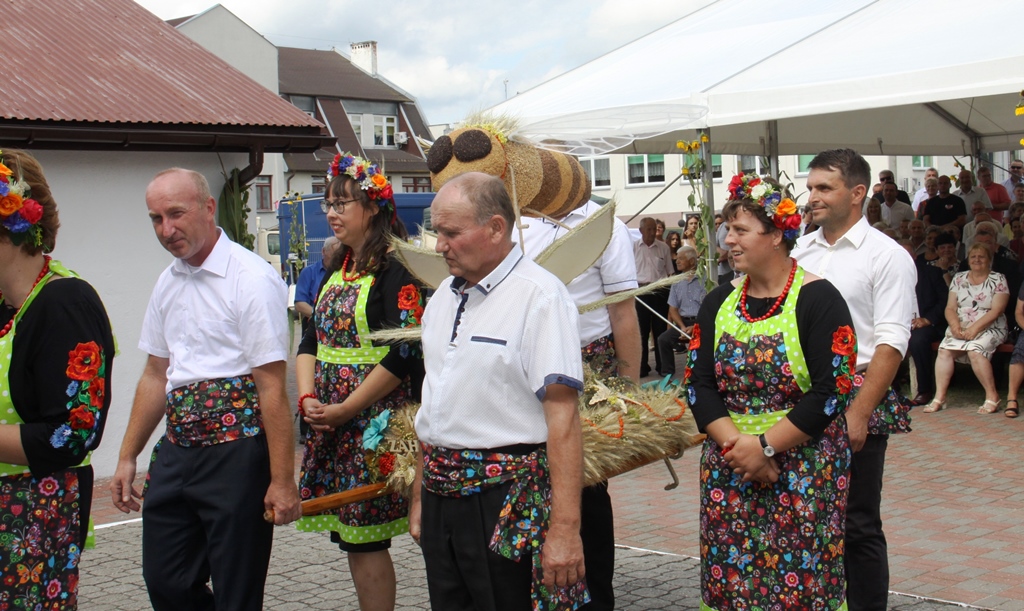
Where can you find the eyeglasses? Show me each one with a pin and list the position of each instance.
(337, 204)
(885, 178)
(1017, 167)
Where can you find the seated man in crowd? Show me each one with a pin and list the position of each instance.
(969, 193)
(683, 304)
(928, 325)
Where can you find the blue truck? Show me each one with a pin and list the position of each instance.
(413, 209)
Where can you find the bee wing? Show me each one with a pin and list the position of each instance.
(571, 255)
(423, 263)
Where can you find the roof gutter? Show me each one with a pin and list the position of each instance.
(255, 167)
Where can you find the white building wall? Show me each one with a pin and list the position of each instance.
(106, 236)
(673, 206)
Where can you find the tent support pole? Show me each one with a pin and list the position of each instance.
(773, 148)
(962, 127)
(708, 213)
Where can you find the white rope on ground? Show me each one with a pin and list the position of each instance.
(121, 523)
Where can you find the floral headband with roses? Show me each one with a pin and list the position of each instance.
(367, 175)
(19, 213)
(782, 211)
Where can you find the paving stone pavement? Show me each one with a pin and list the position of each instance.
(308, 572)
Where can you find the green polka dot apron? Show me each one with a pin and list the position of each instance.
(40, 544)
(780, 545)
(335, 461)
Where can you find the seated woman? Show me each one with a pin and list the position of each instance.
(977, 326)
(930, 235)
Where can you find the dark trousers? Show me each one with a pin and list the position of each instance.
(668, 343)
(202, 520)
(463, 574)
(649, 323)
(597, 529)
(920, 349)
(867, 558)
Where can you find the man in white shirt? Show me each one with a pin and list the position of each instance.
(922, 194)
(501, 347)
(610, 343)
(874, 275)
(653, 262)
(217, 341)
(894, 211)
(970, 193)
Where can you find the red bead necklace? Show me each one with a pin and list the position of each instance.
(10, 323)
(344, 274)
(775, 306)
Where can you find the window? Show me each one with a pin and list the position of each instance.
(921, 162)
(748, 164)
(643, 169)
(384, 129)
(319, 183)
(261, 189)
(598, 169)
(274, 243)
(803, 163)
(416, 184)
(357, 126)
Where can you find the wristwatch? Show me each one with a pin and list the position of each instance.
(768, 450)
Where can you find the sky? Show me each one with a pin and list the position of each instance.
(459, 56)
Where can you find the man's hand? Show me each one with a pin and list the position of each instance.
(122, 493)
(283, 499)
(858, 429)
(919, 323)
(562, 556)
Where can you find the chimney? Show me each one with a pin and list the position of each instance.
(364, 55)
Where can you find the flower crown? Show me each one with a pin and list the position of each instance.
(782, 211)
(366, 174)
(19, 213)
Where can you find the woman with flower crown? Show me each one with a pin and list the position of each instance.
(56, 350)
(768, 379)
(348, 386)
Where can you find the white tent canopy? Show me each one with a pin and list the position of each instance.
(885, 77)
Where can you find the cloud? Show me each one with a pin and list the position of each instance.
(455, 56)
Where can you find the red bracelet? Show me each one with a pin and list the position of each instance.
(308, 395)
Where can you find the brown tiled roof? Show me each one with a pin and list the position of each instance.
(112, 65)
(416, 122)
(393, 161)
(310, 162)
(328, 74)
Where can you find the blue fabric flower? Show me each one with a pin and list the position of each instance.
(72, 388)
(15, 223)
(374, 432)
(60, 437)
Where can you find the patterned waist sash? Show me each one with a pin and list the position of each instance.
(523, 522)
(756, 424)
(213, 411)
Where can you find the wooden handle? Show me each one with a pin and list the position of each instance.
(319, 505)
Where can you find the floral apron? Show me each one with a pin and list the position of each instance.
(335, 461)
(781, 545)
(40, 531)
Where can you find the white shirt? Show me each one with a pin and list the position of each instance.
(897, 214)
(491, 350)
(875, 275)
(218, 320)
(653, 262)
(977, 194)
(615, 271)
